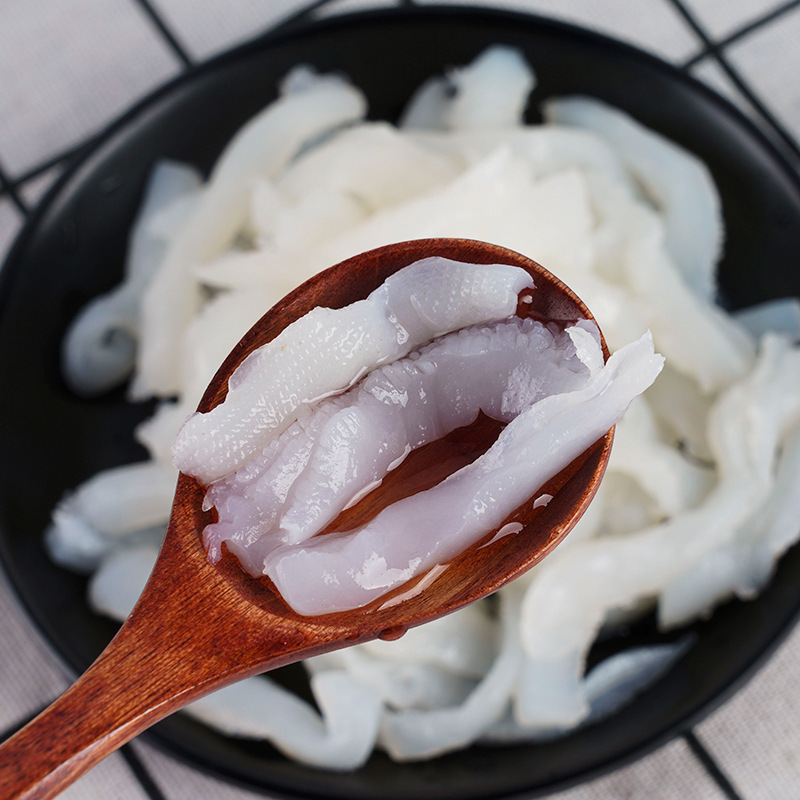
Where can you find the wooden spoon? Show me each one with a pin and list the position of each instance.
(199, 627)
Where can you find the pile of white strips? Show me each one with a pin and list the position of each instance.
(316, 419)
(697, 503)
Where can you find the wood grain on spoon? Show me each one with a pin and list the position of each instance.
(199, 627)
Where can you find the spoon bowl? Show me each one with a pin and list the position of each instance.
(198, 627)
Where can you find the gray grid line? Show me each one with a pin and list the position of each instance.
(8, 188)
(711, 766)
(141, 773)
(715, 50)
(747, 29)
(59, 159)
(166, 33)
(711, 48)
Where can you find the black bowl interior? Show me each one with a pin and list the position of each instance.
(74, 247)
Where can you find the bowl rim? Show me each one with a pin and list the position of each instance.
(292, 29)
(16, 256)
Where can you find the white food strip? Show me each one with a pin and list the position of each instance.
(327, 350)
(626, 220)
(676, 180)
(349, 570)
(99, 350)
(339, 734)
(411, 734)
(113, 505)
(308, 108)
(345, 445)
(747, 425)
(466, 100)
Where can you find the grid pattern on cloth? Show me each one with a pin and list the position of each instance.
(68, 67)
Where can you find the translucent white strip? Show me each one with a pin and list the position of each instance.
(609, 686)
(399, 685)
(744, 565)
(327, 350)
(781, 315)
(340, 736)
(462, 643)
(346, 445)
(99, 350)
(676, 180)
(261, 147)
(116, 585)
(581, 586)
(467, 98)
(545, 150)
(341, 571)
(411, 735)
(111, 506)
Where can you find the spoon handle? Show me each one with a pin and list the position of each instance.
(121, 694)
(185, 638)
(159, 660)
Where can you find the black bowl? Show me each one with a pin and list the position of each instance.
(73, 249)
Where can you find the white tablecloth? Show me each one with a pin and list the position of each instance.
(67, 67)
